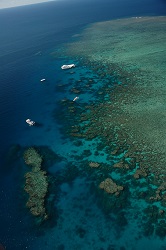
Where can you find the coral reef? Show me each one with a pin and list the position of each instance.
(32, 158)
(121, 165)
(110, 187)
(36, 183)
(125, 123)
(140, 173)
(94, 164)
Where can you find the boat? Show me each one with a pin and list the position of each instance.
(30, 122)
(76, 98)
(68, 66)
(42, 80)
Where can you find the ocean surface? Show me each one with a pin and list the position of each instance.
(31, 40)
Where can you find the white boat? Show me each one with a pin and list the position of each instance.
(68, 66)
(42, 80)
(30, 122)
(76, 98)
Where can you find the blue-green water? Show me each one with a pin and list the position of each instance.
(78, 214)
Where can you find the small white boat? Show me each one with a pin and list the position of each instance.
(76, 98)
(42, 80)
(68, 66)
(30, 122)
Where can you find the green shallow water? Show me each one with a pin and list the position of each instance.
(128, 113)
(134, 50)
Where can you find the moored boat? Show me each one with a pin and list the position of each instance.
(68, 66)
(42, 80)
(76, 98)
(30, 122)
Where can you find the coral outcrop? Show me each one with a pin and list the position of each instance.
(110, 187)
(140, 173)
(32, 158)
(36, 183)
(94, 164)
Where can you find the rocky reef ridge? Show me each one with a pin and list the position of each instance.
(36, 183)
(110, 187)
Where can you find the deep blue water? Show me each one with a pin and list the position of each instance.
(28, 35)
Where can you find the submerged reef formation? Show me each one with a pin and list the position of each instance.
(132, 117)
(94, 164)
(128, 115)
(36, 183)
(110, 187)
(32, 158)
